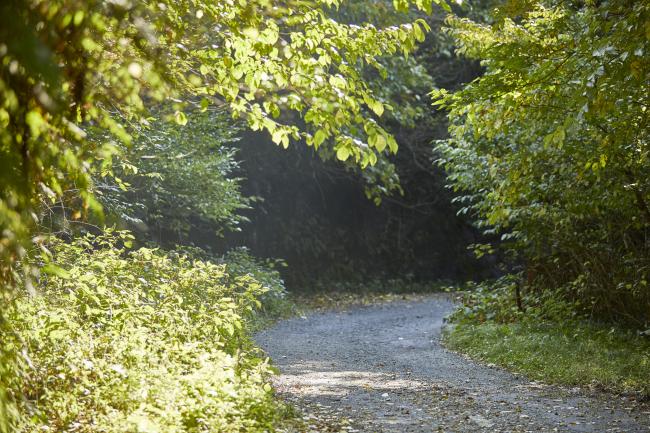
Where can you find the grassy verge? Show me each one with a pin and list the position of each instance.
(565, 353)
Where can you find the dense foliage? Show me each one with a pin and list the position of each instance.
(141, 340)
(132, 114)
(174, 182)
(550, 147)
(331, 221)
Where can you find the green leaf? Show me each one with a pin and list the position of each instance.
(443, 4)
(180, 118)
(342, 153)
(380, 143)
(52, 269)
(338, 81)
(378, 108)
(417, 31)
(319, 137)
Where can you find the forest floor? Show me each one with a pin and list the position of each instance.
(382, 368)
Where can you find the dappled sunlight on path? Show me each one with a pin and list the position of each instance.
(318, 381)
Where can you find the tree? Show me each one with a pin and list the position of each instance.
(173, 181)
(319, 214)
(550, 146)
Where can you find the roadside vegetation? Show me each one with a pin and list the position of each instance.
(550, 151)
(572, 353)
(550, 342)
(123, 339)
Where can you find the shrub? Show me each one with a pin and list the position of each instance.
(140, 340)
(275, 302)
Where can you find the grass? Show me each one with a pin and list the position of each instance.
(579, 354)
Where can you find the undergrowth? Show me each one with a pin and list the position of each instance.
(119, 340)
(545, 338)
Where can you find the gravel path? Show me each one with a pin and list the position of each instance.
(382, 369)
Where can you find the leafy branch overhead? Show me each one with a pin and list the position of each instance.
(295, 60)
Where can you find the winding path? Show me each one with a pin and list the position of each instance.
(383, 368)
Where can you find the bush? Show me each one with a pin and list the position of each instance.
(162, 202)
(274, 301)
(240, 262)
(489, 301)
(140, 341)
